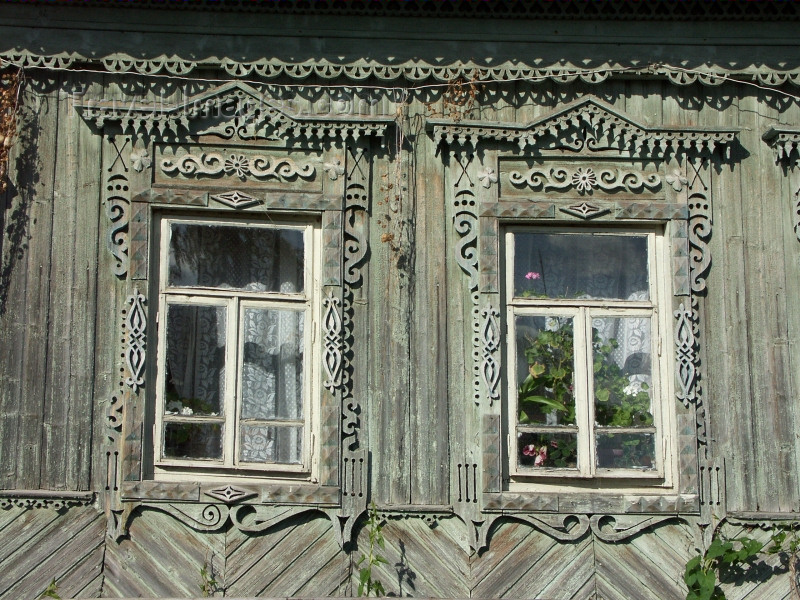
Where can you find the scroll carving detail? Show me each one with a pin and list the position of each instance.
(585, 180)
(332, 326)
(490, 367)
(214, 164)
(135, 351)
(118, 210)
(699, 234)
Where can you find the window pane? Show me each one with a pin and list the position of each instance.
(622, 371)
(547, 450)
(625, 450)
(270, 443)
(255, 259)
(195, 357)
(272, 368)
(545, 368)
(193, 440)
(580, 266)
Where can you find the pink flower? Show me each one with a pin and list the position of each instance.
(529, 450)
(540, 457)
(554, 443)
(533, 275)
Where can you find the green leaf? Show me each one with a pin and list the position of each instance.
(708, 582)
(548, 402)
(536, 369)
(602, 395)
(717, 549)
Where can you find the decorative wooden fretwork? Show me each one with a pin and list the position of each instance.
(785, 142)
(136, 332)
(118, 204)
(587, 161)
(332, 341)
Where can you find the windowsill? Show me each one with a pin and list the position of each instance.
(255, 491)
(609, 502)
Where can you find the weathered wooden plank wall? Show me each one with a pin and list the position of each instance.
(59, 328)
(43, 544)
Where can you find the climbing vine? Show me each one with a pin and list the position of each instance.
(10, 82)
(730, 559)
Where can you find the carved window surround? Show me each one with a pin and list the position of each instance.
(586, 162)
(229, 151)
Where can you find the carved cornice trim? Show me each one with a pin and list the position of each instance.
(586, 125)
(242, 110)
(785, 142)
(710, 74)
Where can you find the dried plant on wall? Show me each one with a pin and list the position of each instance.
(10, 82)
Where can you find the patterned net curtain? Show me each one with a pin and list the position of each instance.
(271, 338)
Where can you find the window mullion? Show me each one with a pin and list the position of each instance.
(582, 388)
(232, 380)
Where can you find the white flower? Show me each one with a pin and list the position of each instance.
(140, 159)
(238, 165)
(633, 388)
(187, 411)
(584, 181)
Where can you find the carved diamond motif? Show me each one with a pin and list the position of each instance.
(230, 494)
(584, 210)
(236, 199)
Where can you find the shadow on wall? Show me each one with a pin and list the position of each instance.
(19, 197)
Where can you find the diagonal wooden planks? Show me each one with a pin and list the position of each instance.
(298, 558)
(522, 562)
(160, 558)
(40, 544)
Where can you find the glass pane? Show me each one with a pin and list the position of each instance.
(545, 367)
(254, 259)
(193, 440)
(272, 368)
(625, 450)
(547, 450)
(590, 266)
(195, 356)
(270, 443)
(622, 371)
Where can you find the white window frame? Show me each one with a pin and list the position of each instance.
(588, 475)
(308, 301)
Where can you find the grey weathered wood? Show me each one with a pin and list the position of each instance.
(430, 397)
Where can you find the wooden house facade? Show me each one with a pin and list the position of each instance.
(517, 274)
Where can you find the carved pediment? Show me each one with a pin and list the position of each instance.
(587, 125)
(233, 109)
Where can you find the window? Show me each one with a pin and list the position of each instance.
(236, 306)
(586, 383)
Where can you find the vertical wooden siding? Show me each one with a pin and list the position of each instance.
(49, 280)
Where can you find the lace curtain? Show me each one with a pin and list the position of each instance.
(271, 378)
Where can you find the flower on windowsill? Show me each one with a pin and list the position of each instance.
(539, 453)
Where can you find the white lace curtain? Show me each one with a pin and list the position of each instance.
(271, 379)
